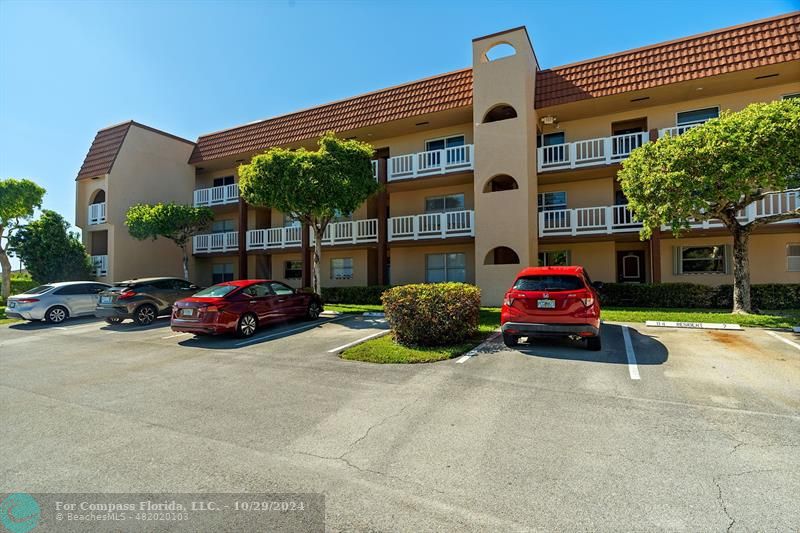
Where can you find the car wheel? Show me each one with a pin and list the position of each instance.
(56, 314)
(510, 340)
(145, 315)
(248, 323)
(593, 343)
(314, 309)
(113, 320)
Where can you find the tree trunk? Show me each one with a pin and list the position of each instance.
(317, 274)
(741, 271)
(185, 263)
(5, 262)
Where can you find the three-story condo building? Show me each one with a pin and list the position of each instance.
(484, 170)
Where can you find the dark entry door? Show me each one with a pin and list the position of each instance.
(630, 266)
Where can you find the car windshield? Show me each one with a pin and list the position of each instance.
(215, 291)
(39, 290)
(549, 283)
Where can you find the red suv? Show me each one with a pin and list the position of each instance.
(552, 301)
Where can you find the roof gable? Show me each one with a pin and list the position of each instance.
(104, 150)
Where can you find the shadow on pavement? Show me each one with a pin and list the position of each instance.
(280, 330)
(40, 324)
(129, 326)
(647, 350)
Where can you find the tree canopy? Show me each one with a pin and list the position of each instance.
(715, 170)
(19, 198)
(311, 186)
(50, 251)
(172, 221)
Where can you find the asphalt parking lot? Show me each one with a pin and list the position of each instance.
(697, 430)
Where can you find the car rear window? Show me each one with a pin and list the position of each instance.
(215, 291)
(39, 290)
(549, 283)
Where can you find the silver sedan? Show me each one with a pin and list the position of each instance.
(55, 302)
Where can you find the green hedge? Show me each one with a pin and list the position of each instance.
(370, 295)
(691, 295)
(20, 285)
(432, 314)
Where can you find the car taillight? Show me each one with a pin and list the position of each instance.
(125, 295)
(26, 300)
(509, 300)
(211, 309)
(587, 302)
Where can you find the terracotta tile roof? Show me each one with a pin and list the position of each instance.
(755, 44)
(104, 150)
(751, 45)
(439, 93)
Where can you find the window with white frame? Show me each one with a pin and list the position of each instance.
(224, 180)
(554, 258)
(551, 139)
(549, 201)
(221, 272)
(222, 226)
(696, 116)
(292, 269)
(793, 257)
(444, 142)
(445, 267)
(342, 268)
(440, 204)
(709, 259)
(289, 221)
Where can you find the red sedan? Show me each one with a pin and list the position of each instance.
(552, 301)
(241, 307)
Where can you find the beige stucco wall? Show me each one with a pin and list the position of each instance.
(360, 267)
(149, 168)
(586, 193)
(415, 142)
(664, 116)
(598, 258)
(404, 203)
(504, 147)
(767, 259)
(408, 262)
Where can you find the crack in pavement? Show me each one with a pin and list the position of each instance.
(373, 426)
(720, 498)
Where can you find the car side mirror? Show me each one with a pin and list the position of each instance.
(598, 285)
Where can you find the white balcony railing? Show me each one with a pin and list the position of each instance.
(224, 194)
(216, 242)
(432, 226)
(617, 218)
(350, 232)
(676, 130)
(267, 239)
(97, 213)
(421, 164)
(100, 265)
(587, 220)
(600, 151)
(772, 204)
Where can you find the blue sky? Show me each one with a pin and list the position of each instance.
(68, 69)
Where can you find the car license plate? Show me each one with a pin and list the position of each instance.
(105, 299)
(546, 304)
(187, 312)
(11, 304)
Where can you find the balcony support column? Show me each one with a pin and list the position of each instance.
(382, 207)
(242, 251)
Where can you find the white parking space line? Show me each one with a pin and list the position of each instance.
(287, 331)
(787, 341)
(633, 368)
(359, 341)
(473, 352)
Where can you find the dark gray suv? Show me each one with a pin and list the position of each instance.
(143, 299)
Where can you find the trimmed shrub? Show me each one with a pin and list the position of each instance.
(20, 284)
(432, 314)
(692, 295)
(370, 295)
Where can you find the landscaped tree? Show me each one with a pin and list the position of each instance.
(18, 200)
(715, 171)
(312, 187)
(175, 222)
(50, 251)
